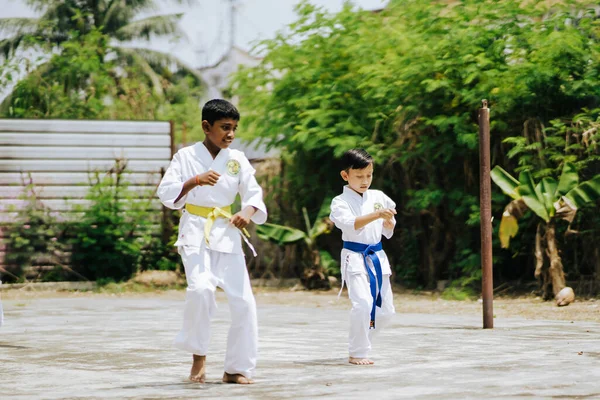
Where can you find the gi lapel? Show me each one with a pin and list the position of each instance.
(203, 155)
(220, 162)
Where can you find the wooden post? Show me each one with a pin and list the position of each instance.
(184, 139)
(485, 206)
(172, 134)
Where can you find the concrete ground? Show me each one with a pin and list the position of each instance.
(102, 347)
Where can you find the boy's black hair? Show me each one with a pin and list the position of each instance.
(356, 159)
(217, 109)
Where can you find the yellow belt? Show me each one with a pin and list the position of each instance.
(211, 214)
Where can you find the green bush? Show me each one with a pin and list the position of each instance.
(109, 238)
(35, 238)
(114, 237)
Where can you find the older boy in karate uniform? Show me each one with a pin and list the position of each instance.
(204, 180)
(364, 215)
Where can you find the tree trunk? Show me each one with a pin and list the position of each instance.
(557, 274)
(314, 276)
(539, 253)
(541, 271)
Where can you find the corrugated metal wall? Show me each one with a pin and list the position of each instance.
(58, 156)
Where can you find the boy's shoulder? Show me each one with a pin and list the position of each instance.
(186, 150)
(339, 197)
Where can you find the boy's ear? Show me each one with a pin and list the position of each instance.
(205, 126)
(344, 175)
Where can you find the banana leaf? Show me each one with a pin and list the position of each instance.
(505, 181)
(329, 263)
(508, 225)
(320, 226)
(532, 197)
(508, 229)
(279, 234)
(547, 187)
(587, 192)
(568, 180)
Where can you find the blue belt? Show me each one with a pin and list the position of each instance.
(370, 251)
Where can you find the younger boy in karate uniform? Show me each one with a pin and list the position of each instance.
(204, 180)
(363, 215)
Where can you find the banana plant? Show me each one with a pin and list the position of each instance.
(315, 275)
(551, 201)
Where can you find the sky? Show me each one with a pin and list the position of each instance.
(207, 23)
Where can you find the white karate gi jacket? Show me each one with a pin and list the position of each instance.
(344, 210)
(237, 176)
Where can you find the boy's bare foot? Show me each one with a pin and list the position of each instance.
(198, 372)
(236, 378)
(360, 361)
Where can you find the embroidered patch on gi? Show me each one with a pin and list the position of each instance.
(378, 206)
(233, 167)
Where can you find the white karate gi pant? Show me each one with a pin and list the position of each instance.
(205, 270)
(359, 291)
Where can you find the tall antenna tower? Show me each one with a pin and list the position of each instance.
(232, 26)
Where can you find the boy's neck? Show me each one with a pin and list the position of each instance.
(212, 149)
(358, 193)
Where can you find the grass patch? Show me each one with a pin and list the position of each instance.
(458, 293)
(111, 287)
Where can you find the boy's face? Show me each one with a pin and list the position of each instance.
(359, 180)
(221, 133)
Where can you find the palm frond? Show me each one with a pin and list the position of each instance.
(157, 58)
(132, 57)
(9, 45)
(18, 25)
(113, 8)
(158, 25)
(5, 105)
(53, 10)
(140, 6)
(39, 5)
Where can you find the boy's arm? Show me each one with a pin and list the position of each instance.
(387, 214)
(253, 206)
(344, 219)
(388, 224)
(341, 215)
(171, 186)
(242, 219)
(209, 178)
(172, 191)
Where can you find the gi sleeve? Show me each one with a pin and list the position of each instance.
(388, 203)
(251, 193)
(342, 216)
(171, 185)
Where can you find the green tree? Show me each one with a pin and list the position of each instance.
(117, 20)
(551, 200)
(405, 84)
(72, 84)
(82, 81)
